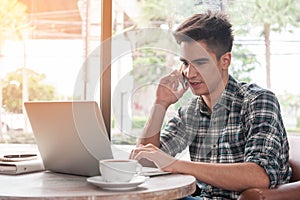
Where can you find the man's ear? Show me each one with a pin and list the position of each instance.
(226, 60)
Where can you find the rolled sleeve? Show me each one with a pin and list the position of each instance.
(267, 143)
(265, 150)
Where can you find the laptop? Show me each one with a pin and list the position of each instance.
(71, 137)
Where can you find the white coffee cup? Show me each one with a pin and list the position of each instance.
(113, 170)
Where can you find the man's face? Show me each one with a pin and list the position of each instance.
(200, 67)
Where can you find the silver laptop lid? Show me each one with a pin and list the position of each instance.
(70, 135)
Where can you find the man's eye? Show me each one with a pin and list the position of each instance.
(199, 63)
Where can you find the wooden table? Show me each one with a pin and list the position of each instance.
(48, 185)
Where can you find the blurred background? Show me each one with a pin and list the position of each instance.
(47, 47)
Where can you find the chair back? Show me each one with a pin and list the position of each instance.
(294, 159)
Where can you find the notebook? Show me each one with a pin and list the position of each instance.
(71, 136)
(21, 167)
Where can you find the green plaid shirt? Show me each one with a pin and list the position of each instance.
(244, 126)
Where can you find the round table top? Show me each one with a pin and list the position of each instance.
(47, 185)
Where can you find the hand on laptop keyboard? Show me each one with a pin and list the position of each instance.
(161, 159)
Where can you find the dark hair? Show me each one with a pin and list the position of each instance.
(212, 27)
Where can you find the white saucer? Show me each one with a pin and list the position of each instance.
(100, 182)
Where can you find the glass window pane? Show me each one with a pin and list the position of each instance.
(137, 69)
(45, 45)
(50, 50)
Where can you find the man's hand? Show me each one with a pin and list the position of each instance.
(169, 90)
(158, 157)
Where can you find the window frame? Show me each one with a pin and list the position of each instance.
(105, 63)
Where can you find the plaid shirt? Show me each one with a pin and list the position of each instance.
(244, 126)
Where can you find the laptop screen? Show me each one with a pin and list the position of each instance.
(70, 135)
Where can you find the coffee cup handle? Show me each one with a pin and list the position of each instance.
(139, 169)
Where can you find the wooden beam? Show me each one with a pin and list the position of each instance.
(105, 62)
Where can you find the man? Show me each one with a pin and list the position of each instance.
(234, 130)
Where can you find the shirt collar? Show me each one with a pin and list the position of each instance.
(202, 107)
(225, 99)
(228, 94)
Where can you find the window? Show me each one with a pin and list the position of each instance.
(53, 51)
(43, 57)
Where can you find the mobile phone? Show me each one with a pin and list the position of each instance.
(184, 82)
(18, 157)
